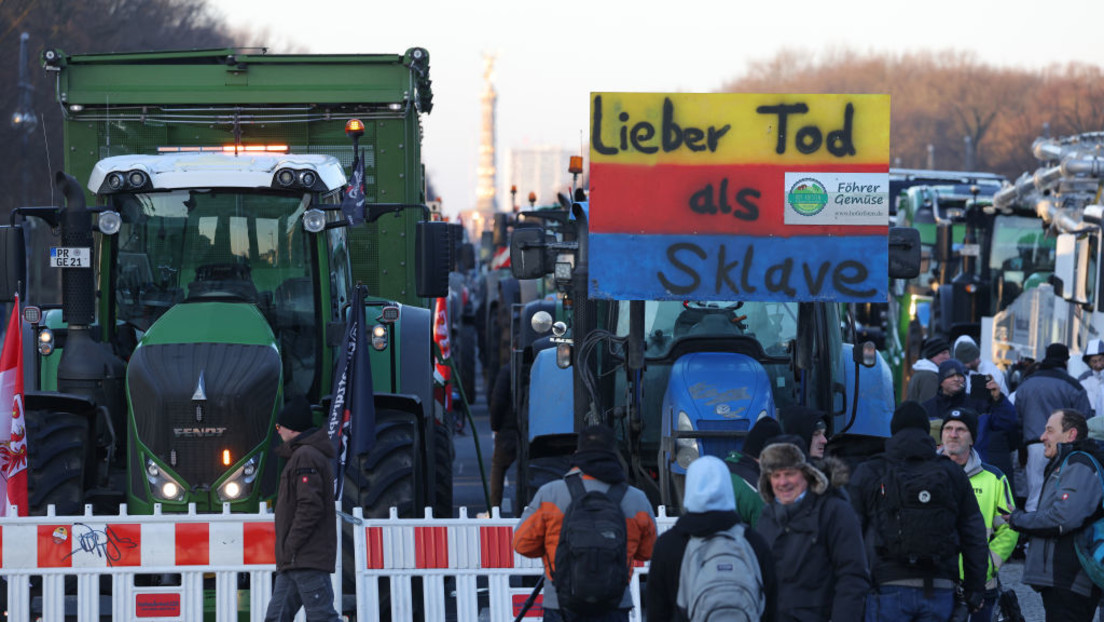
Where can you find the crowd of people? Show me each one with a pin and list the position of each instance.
(786, 531)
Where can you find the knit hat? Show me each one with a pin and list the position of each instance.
(296, 415)
(967, 416)
(597, 438)
(779, 456)
(708, 486)
(950, 367)
(967, 351)
(802, 421)
(909, 414)
(1095, 347)
(764, 429)
(1057, 355)
(933, 346)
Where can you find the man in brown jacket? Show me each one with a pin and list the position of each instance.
(306, 529)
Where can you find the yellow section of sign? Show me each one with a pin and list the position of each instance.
(738, 128)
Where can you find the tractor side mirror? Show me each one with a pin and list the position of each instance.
(433, 243)
(904, 252)
(528, 259)
(13, 253)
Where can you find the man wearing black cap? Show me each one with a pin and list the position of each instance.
(595, 466)
(306, 531)
(995, 412)
(918, 514)
(925, 373)
(994, 497)
(1048, 389)
(744, 466)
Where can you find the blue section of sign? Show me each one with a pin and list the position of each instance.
(727, 267)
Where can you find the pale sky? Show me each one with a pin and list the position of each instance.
(552, 55)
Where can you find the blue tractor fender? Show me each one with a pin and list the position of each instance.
(551, 397)
(720, 394)
(876, 401)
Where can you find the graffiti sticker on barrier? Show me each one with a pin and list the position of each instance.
(739, 196)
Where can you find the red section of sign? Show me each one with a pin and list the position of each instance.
(156, 605)
(535, 611)
(55, 546)
(741, 200)
(431, 547)
(193, 541)
(496, 546)
(124, 544)
(259, 543)
(374, 544)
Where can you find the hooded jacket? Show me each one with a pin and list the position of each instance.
(713, 507)
(816, 544)
(1069, 500)
(915, 445)
(994, 497)
(924, 381)
(538, 530)
(1044, 392)
(306, 528)
(985, 367)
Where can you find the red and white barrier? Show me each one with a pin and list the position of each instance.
(447, 557)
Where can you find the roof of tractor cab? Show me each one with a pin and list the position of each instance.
(218, 170)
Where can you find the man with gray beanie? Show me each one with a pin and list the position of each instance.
(918, 514)
(1046, 390)
(710, 509)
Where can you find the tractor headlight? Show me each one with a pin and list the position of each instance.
(240, 482)
(109, 222)
(314, 220)
(686, 449)
(162, 485)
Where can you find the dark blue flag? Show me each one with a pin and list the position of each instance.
(352, 419)
(352, 206)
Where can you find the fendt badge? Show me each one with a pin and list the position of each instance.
(198, 432)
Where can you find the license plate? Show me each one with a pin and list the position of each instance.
(70, 257)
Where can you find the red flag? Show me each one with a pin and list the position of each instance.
(13, 454)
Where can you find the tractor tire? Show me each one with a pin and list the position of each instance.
(383, 477)
(445, 454)
(56, 446)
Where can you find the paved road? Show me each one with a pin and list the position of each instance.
(467, 486)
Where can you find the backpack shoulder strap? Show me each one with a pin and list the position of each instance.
(574, 483)
(617, 492)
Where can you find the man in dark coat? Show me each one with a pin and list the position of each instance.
(918, 587)
(306, 528)
(710, 507)
(814, 538)
(504, 426)
(925, 372)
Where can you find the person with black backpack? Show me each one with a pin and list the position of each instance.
(710, 565)
(918, 514)
(588, 528)
(1070, 500)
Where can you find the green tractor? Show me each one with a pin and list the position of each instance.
(215, 275)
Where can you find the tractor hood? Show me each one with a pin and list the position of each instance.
(204, 380)
(719, 386)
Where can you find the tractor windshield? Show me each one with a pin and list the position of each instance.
(219, 245)
(772, 324)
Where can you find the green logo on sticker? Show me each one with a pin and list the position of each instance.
(807, 196)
